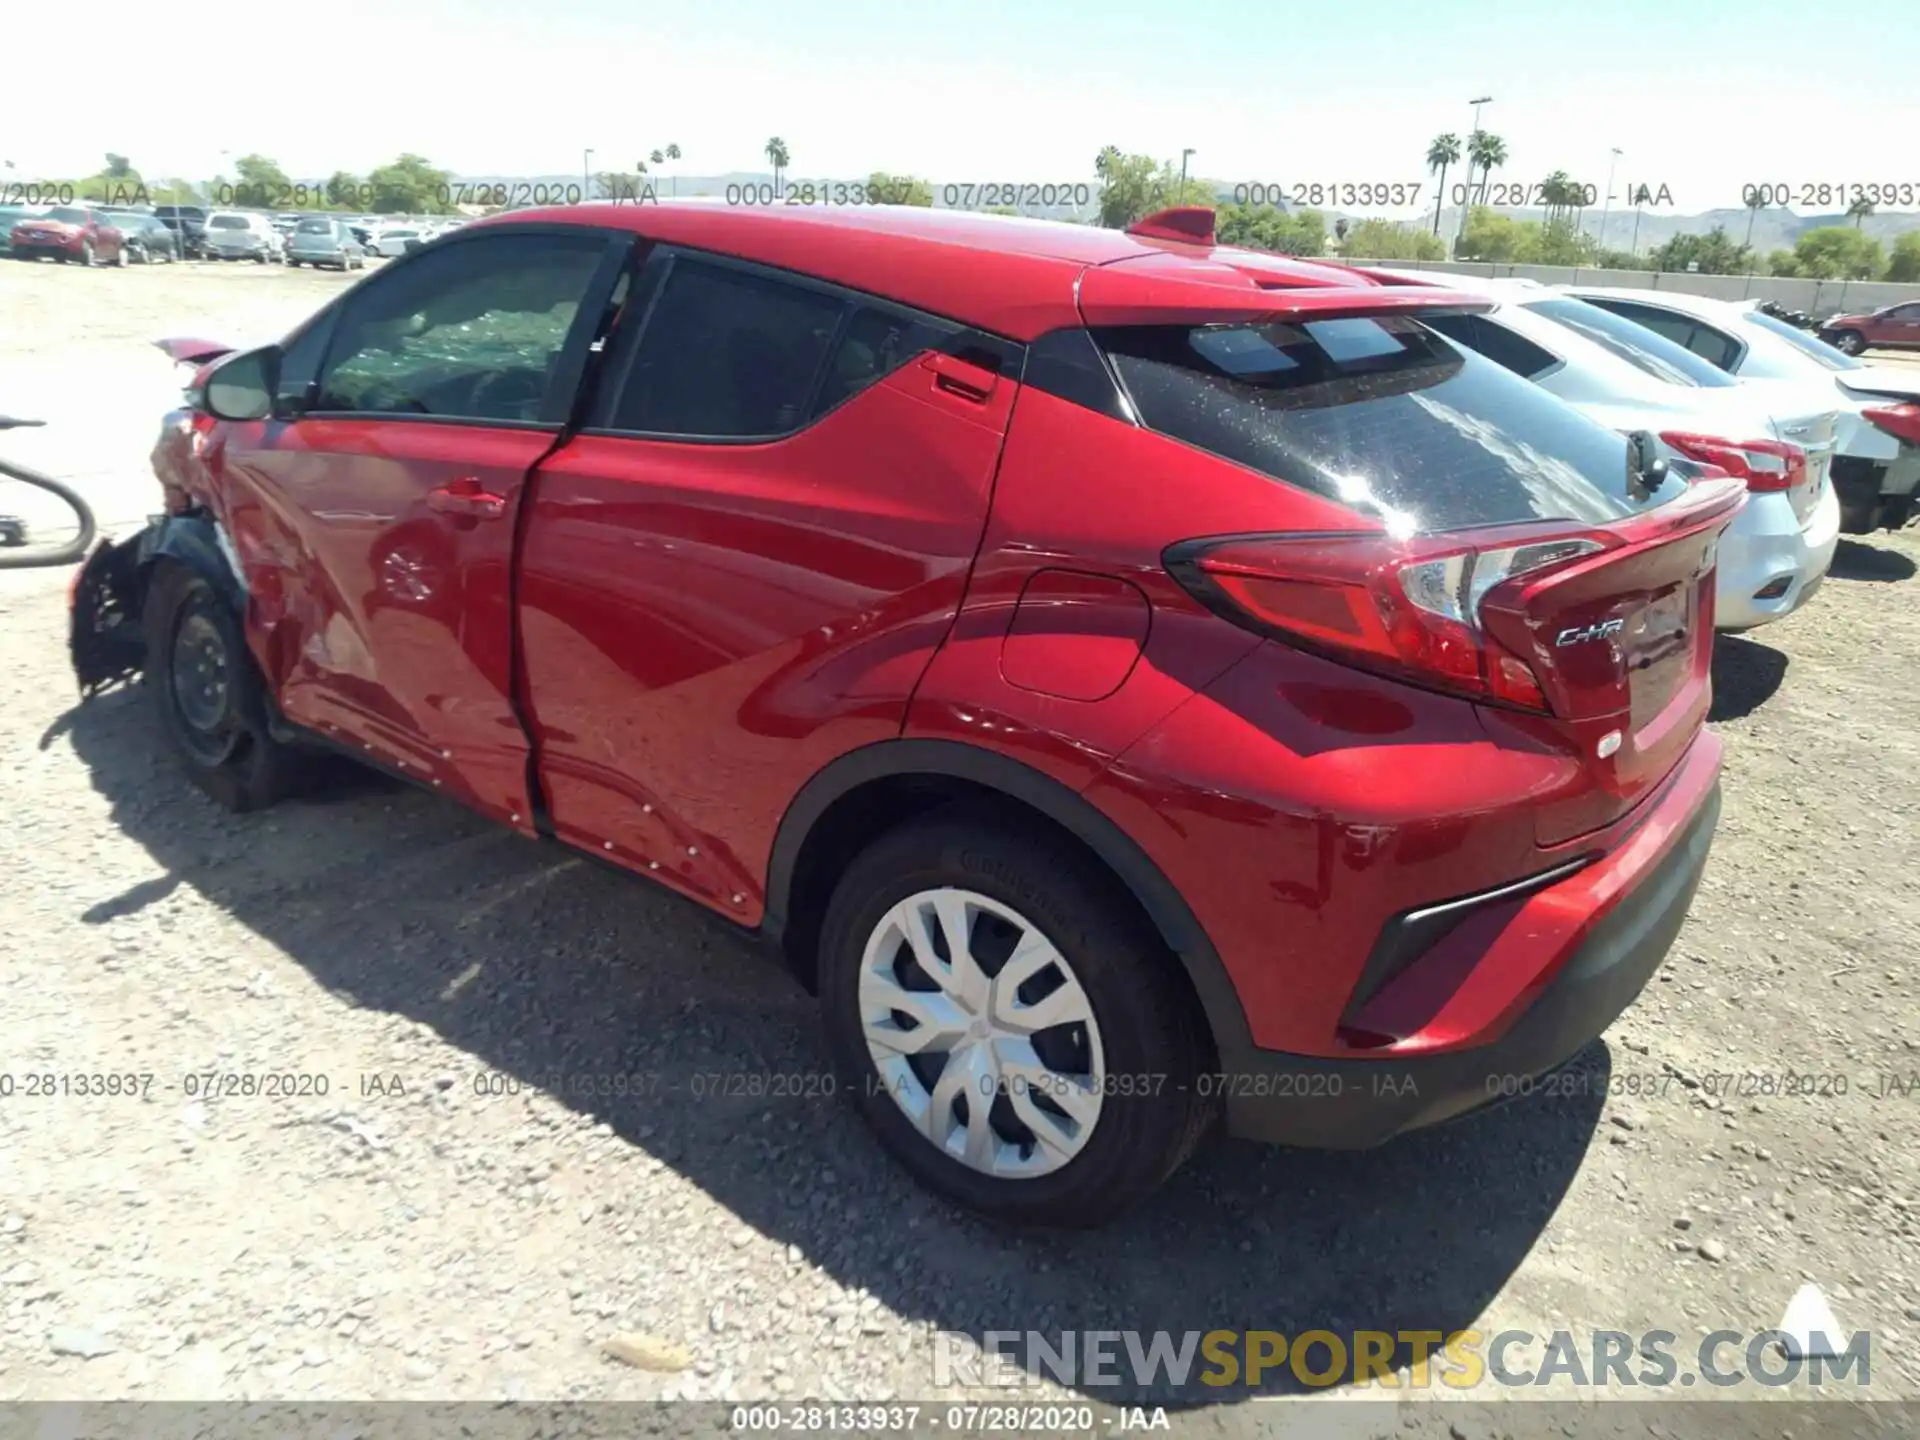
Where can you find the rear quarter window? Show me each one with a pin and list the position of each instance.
(1385, 415)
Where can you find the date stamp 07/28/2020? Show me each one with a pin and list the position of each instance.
(27, 1085)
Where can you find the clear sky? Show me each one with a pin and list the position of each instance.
(1701, 95)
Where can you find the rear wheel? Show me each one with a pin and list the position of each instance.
(1851, 341)
(209, 693)
(1008, 1027)
(86, 252)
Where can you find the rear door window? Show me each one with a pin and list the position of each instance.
(1385, 415)
(730, 354)
(1663, 355)
(1497, 343)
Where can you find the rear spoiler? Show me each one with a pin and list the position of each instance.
(1127, 295)
(190, 351)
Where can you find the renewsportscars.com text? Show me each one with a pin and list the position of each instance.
(1458, 1360)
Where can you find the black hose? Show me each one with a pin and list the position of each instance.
(75, 548)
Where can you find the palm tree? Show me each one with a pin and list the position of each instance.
(662, 156)
(1489, 152)
(1444, 151)
(779, 157)
(1558, 193)
(1860, 210)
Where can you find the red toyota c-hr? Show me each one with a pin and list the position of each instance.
(1136, 683)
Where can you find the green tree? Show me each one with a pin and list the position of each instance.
(259, 182)
(343, 190)
(1489, 235)
(1904, 263)
(409, 186)
(666, 155)
(1859, 210)
(1714, 253)
(1384, 240)
(1134, 186)
(1560, 195)
(1442, 152)
(1267, 227)
(1785, 264)
(885, 189)
(119, 167)
(1558, 241)
(1615, 260)
(1834, 252)
(779, 157)
(627, 187)
(1487, 151)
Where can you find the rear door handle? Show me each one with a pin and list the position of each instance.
(960, 377)
(467, 496)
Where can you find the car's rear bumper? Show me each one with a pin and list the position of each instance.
(1634, 900)
(1769, 564)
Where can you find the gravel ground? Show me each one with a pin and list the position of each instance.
(459, 1217)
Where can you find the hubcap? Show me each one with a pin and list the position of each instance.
(200, 682)
(981, 1033)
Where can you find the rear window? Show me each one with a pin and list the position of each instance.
(315, 227)
(1634, 343)
(1384, 415)
(1812, 346)
(228, 222)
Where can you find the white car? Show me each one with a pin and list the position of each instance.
(393, 241)
(1877, 468)
(1778, 550)
(241, 235)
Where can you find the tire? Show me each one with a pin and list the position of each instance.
(86, 252)
(1144, 1022)
(120, 260)
(223, 741)
(1852, 342)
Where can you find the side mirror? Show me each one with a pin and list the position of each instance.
(242, 386)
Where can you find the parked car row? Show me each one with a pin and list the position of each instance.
(1824, 443)
(95, 234)
(1138, 684)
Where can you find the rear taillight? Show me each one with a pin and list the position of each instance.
(1764, 465)
(1408, 608)
(1900, 421)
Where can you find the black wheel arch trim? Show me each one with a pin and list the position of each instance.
(1162, 902)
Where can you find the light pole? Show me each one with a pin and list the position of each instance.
(1183, 174)
(1476, 102)
(586, 174)
(1607, 209)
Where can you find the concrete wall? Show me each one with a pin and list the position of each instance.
(1819, 298)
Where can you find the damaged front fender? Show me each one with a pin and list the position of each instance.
(106, 635)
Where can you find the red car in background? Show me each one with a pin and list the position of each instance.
(1134, 682)
(1895, 328)
(69, 233)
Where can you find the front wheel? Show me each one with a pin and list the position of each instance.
(86, 252)
(1008, 1024)
(1852, 342)
(209, 694)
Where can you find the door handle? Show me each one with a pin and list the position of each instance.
(960, 377)
(466, 496)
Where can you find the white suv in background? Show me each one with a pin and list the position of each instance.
(1877, 469)
(241, 235)
(1778, 549)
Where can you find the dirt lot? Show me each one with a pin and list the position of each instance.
(421, 1231)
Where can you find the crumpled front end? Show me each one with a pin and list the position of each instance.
(105, 637)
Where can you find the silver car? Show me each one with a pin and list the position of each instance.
(323, 243)
(240, 235)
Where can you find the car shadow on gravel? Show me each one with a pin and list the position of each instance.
(550, 972)
(1854, 560)
(1746, 674)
